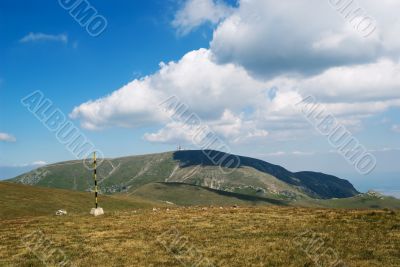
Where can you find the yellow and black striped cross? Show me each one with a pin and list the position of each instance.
(95, 178)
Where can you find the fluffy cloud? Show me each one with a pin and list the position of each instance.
(308, 36)
(362, 90)
(133, 105)
(196, 12)
(4, 137)
(208, 89)
(42, 37)
(374, 81)
(230, 128)
(264, 57)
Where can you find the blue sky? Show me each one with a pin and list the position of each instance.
(236, 65)
(138, 37)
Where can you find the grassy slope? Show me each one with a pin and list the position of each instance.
(22, 200)
(190, 195)
(248, 236)
(132, 171)
(361, 202)
(228, 237)
(242, 180)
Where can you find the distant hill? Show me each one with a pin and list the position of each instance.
(253, 177)
(370, 200)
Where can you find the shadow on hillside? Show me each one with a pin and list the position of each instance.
(234, 195)
(316, 185)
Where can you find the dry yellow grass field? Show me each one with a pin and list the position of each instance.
(257, 236)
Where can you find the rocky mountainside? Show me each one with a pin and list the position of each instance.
(251, 177)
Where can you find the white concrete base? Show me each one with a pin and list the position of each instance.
(97, 212)
(61, 212)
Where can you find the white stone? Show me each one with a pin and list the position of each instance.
(97, 212)
(61, 212)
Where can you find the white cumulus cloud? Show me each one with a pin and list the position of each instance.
(208, 89)
(272, 37)
(265, 56)
(5, 137)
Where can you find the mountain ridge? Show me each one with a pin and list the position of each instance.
(252, 177)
